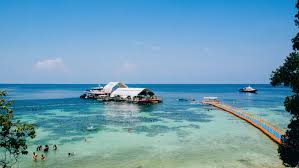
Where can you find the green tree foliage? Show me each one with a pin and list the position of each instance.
(13, 134)
(288, 75)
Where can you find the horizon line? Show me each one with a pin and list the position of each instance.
(137, 83)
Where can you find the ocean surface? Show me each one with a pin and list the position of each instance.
(173, 134)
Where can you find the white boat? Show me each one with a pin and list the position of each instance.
(92, 91)
(248, 89)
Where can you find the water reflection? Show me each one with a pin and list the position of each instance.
(124, 115)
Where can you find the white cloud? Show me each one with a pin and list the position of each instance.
(55, 64)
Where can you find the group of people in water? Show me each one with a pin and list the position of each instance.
(46, 149)
(35, 156)
(40, 148)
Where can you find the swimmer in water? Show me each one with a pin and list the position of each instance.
(43, 157)
(46, 148)
(38, 148)
(55, 147)
(71, 154)
(34, 156)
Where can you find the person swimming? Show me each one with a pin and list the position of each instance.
(43, 157)
(46, 148)
(54, 147)
(39, 148)
(34, 156)
(71, 154)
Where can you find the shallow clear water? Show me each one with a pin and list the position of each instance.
(172, 134)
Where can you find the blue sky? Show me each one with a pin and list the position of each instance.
(144, 41)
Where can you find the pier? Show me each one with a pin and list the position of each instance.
(269, 130)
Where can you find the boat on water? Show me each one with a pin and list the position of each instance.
(248, 89)
(91, 92)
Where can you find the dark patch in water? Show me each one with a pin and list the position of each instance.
(149, 119)
(245, 162)
(263, 114)
(190, 126)
(184, 116)
(181, 133)
(152, 130)
(155, 130)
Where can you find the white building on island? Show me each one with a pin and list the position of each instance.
(118, 91)
(132, 93)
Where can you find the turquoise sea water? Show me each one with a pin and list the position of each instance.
(172, 134)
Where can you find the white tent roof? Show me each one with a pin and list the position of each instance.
(111, 85)
(125, 92)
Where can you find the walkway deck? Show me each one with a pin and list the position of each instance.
(266, 128)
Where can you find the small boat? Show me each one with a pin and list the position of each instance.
(248, 89)
(91, 93)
